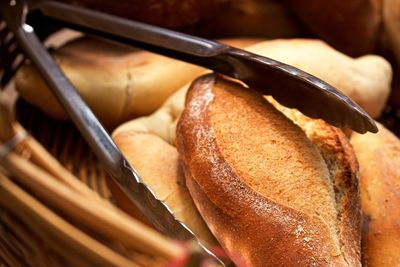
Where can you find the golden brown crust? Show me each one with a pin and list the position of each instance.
(379, 158)
(262, 219)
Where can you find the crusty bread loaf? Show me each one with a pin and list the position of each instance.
(379, 159)
(272, 193)
(156, 161)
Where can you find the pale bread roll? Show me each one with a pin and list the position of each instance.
(366, 79)
(379, 159)
(119, 83)
(272, 193)
(157, 164)
(163, 121)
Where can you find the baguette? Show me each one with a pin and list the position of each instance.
(272, 193)
(379, 159)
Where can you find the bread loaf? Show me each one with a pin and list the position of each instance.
(379, 159)
(272, 193)
(118, 82)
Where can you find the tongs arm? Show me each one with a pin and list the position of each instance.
(80, 114)
(289, 85)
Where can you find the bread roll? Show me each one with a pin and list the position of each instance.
(366, 79)
(157, 164)
(272, 193)
(119, 83)
(379, 159)
(163, 121)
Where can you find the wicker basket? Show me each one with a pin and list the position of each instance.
(56, 208)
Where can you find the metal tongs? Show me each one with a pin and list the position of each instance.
(288, 85)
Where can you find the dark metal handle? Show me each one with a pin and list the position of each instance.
(198, 51)
(141, 32)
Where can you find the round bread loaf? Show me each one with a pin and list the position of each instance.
(272, 193)
(379, 159)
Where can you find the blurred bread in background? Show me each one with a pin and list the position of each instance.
(251, 18)
(165, 13)
(352, 26)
